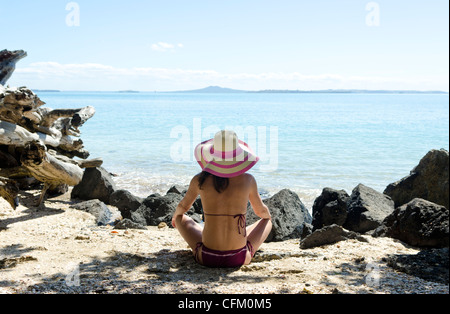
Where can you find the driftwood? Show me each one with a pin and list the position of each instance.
(9, 190)
(12, 134)
(8, 60)
(38, 142)
(20, 112)
(48, 169)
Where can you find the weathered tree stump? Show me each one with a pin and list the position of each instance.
(38, 142)
(8, 60)
(9, 191)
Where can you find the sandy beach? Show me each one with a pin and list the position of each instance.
(60, 250)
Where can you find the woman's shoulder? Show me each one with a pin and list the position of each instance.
(248, 178)
(195, 181)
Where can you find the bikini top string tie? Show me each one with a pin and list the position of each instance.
(242, 224)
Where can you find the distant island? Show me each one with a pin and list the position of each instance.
(46, 91)
(222, 90)
(213, 90)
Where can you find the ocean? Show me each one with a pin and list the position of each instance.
(306, 141)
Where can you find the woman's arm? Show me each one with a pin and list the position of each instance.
(188, 200)
(260, 209)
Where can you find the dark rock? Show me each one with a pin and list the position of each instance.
(307, 230)
(419, 223)
(367, 209)
(178, 189)
(97, 183)
(431, 265)
(156, 209)
(289, 216)
(103, 214)
(429, 181)
(198, 206)
(329, 235)
(125, 202)
(129, 224)
(330, 208)
(58, 190)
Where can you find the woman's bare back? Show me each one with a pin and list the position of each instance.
(225, 227)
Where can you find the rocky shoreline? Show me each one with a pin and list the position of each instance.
(62, 250)
(97, 239)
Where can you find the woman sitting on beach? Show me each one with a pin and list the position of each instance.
(225, 189)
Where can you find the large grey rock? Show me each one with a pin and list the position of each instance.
(103, 214)
(429, 181)
(289, 216)
(367, 209)
(418, 223)
(156, 209)
(330, 208)
(329, 235)
(125, 202)
(97, 183)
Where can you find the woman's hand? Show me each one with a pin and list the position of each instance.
(174, 219)
(179, 212)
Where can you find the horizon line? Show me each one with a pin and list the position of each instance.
(231, 90)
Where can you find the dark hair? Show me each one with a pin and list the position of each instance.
(220, 184)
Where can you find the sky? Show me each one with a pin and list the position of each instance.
(174, 45)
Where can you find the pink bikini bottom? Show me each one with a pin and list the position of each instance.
(223, 259)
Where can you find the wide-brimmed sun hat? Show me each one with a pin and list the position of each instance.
(225, 155)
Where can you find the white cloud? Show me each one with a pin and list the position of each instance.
(163, 47)
(91, 76)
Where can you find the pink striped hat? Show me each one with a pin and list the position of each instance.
(225, 156)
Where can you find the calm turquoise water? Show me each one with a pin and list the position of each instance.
(306, 141)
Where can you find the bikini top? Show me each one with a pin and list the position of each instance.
(242, 221)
